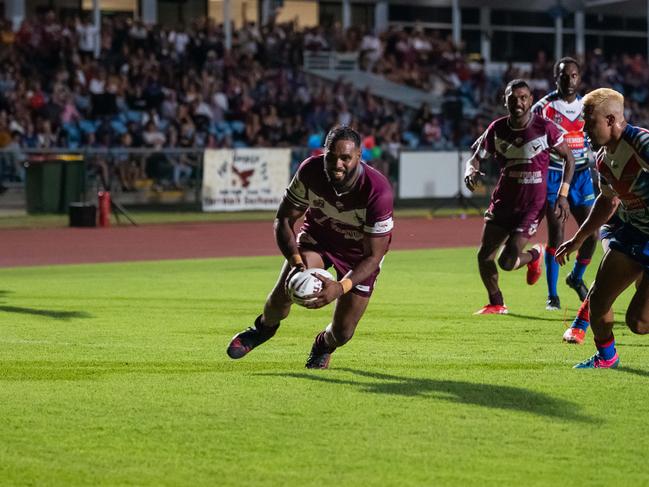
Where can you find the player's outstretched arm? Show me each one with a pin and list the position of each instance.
(562, 207)
(375, 249)
(472, 172)
(284, 224)
(603, 209)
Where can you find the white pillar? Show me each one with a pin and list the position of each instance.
(457, 22)
(647, 28)
(96, 11)
(347, 14)
(558, 37)
(150, 12)
(265, 12)
(381, 16)
(15, 12)
(485, 33)
(580, 35)
(227, 24)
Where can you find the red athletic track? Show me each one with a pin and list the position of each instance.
(202, 240)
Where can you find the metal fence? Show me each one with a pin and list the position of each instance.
(48, 180)
(331, 60)
(134, 176)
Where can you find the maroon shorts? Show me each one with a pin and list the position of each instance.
(341, 264)
(526, 222)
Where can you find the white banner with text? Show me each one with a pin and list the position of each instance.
(244, 179)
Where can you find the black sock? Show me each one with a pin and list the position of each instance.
(534, 253)
(321, 344)
(262, 328)
(496, 299)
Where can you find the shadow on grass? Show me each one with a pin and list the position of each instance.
(486, 395)
(43, 370)
(556, 318)
(57, 315)
(631, 370)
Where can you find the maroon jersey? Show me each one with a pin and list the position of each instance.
(523, 155)
(339, 222)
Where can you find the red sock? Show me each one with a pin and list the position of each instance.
(581, 260)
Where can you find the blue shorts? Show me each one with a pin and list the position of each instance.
(607, 230)
(581, 192)
(633, 243)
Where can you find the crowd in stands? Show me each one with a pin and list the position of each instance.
(162, 88)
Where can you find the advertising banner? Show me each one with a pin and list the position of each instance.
(432, 174)
(244, 179)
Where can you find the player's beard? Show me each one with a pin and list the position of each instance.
(346, 182)
(521, 116)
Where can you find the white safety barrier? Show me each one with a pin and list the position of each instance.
(432, 174)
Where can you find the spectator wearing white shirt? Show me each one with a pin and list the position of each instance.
(87, 34)
(371, 50)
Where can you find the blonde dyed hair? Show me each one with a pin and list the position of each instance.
(605, 98)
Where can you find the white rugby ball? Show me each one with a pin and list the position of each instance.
(303, 285)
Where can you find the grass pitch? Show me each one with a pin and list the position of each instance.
(117, 375)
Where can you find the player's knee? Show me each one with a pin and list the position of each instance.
(507, 262)
(483, 255)
(636, 323)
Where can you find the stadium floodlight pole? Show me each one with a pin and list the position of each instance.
(15, 11)
(580, 35)
(381, 15)
(457, 22)
(558, 36)
(485, 33)
(97, 18)
(265, 12)
(347, 14)
(227, 24)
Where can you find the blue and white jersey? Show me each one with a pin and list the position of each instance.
(568, 117)
(625, 173)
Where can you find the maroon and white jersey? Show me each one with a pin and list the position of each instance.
(339, 222)
(523, 156)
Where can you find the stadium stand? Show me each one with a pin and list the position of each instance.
(159, 88)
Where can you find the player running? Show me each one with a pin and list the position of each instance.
(623, 165)
(347, 208)
(576, 333)
(520, 143)
(564, 107)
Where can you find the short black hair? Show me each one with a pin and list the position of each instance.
(342, 132)
(565, 60)
(515, 84)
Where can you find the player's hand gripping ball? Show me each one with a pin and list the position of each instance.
(303, 286)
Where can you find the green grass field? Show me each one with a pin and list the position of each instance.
(117, 375)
